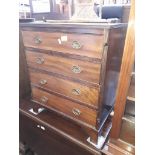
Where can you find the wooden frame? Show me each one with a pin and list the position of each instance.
(125, 74)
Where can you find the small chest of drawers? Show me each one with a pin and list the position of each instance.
(73, 69)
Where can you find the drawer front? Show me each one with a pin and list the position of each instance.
(85, 94)
(65, 106)
(78, 44)
(69, 67)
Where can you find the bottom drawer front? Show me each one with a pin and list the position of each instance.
(65, 106)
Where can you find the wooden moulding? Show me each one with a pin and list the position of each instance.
(73, 27)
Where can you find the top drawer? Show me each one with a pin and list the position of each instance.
(78, 44)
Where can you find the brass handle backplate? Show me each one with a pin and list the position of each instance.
(40, 60)
(44, 99)
(76, 45)
(76, 69)
(43, 82)
(76, 91)
(37, 40)
(76, 112)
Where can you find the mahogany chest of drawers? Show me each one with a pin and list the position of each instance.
(74, 69)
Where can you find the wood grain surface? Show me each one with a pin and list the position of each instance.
(88, 95)
(88, 71)
(91, 45)
(65, 106)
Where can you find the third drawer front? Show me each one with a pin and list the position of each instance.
(69, 67)
(74, 90)
(65, 106)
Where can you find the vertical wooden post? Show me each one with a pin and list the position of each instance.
(125, 74)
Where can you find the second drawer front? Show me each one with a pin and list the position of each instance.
(78, 44)
(85, 94)
(65, 106)
(70, 67)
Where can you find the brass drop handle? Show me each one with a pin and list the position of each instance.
(44, 99)
(43, 82)
(40, 61)
(76, 111)
(76, 91)
(76, 45)
(76, 69)
(37, 40)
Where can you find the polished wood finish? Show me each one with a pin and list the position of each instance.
(65, 66)
(91, 46)
(115, 48)
(97, 47)
(87, 95)
(65, 106)
(125, 74)
(48, 142)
